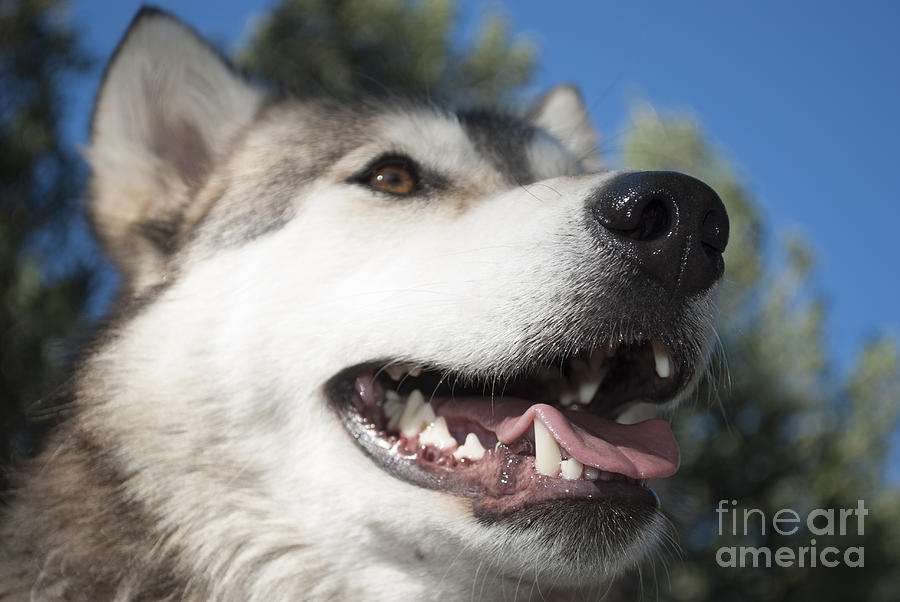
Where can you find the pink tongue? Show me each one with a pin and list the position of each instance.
(640, 451)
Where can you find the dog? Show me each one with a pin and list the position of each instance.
(365, 350)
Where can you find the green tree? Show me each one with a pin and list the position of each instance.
(788, 431)
(41, 292)
(343, 46)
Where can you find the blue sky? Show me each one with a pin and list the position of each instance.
(801, 95)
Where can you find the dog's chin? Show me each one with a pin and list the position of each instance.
(551, 458)
(575, 543)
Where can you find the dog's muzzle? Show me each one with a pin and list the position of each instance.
(562, 425)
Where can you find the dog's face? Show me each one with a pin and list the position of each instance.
(418, 336)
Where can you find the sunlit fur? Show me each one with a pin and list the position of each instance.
(199, 458)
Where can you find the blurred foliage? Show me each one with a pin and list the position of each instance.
(41, 292)
(775, 426)
(340, 47)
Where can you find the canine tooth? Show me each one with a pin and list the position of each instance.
(471, 449)
(566, 398)
(571, 469)
(393, 422)
(395, 371)
(661, 359)
(546, 451)
(426, 414)
(586, 391)
(392, 406)
(393, 409)
(438, 434)
(591, 473)
(410, 422)
(415, 370)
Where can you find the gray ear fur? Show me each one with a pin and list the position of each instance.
(562, 113)
(168, 108)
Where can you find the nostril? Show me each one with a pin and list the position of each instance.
(652, 221)
(714, 232)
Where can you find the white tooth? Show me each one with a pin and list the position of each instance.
(410, 423)
(395, 371)
(566, 398)
(587, 390)
(662, 360)
(426, 414)
(415, 370)
(591, 473)
(571, 469)
(438, 434)
(546, 450)
(393, 422)
(392, 407)
(471, 449)
(605, 476)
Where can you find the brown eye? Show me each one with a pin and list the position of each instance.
(395, 179)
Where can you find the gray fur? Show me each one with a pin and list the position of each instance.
(503, 141)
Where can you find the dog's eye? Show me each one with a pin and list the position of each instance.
(392, 173)
(393, 178)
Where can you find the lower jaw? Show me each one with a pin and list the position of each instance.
(499, 484)
(543, 492)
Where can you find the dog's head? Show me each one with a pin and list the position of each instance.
(426, 340)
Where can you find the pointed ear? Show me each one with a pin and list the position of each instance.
(168, 108)
(562, 113)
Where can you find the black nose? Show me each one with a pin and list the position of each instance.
(673, 226)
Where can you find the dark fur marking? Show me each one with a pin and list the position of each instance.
(161, 233)
(236, 220)
(233, 219)
(503, 140)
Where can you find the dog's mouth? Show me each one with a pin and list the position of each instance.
(559, 431)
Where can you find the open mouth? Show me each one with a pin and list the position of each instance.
(559, 431)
